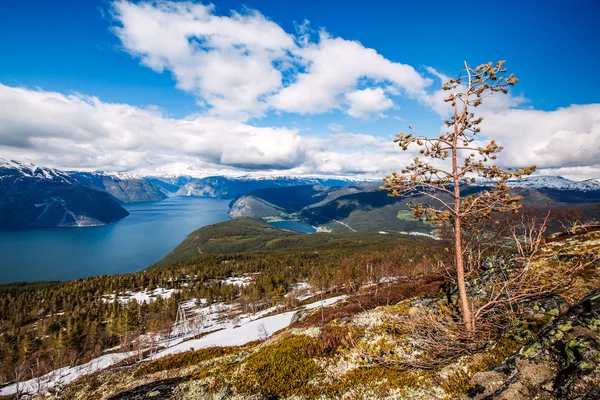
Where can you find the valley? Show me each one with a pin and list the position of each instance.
(247, 271)
(303, 307)
(299, 200)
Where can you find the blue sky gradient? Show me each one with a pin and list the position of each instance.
(70, 47)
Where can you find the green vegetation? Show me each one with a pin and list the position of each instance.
(363, 208)
(184, 360)
(46, 325)
(280, 369)
(244, 235)
(349, 349)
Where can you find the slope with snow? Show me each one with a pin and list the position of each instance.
(244, 329)
(11, 170)
(546, 182)
(32, 196)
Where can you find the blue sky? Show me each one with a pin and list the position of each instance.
(64, 47)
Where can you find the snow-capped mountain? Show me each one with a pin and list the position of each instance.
(32, 196)
(127, 188)
(11, 169)
(231, 187)
(547, 182)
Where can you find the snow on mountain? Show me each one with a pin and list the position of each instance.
(33, 196)
(593, 181)
(547, 182)
(113, 175)
(16, 169)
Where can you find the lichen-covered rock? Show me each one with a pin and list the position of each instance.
(563, 362)
(549, 305)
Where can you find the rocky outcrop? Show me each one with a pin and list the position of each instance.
(563, 362)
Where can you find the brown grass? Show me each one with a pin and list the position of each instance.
(392, 294)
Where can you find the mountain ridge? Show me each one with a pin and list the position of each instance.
(38, 197)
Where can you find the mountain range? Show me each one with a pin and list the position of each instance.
(34, 196)
(366, 208)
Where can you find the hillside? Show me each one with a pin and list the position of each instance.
(365, 208)
(37, 197)
(231, 187)
(126, 188)
(390, 340)
(353, 208)
(244, 235)
(254, 271)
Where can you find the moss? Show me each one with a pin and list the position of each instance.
(281, 369)
(374, 382)
(186, 359)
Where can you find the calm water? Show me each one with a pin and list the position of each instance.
(131, 244)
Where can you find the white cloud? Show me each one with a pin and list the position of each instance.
(241, 66)
(334, 67)
(82, 132)
(566, 137)
(244, 64)
(228, 62)
(366, 102)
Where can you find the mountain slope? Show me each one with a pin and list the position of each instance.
(231, 187)
(550, 182)
(252, 235)
(124, 187)
(362, 208)
(365, 208)
(32, 196)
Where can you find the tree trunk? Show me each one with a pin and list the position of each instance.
(460, 277)
(458, 251)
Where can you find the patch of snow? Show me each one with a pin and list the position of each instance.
(211, 320)
(66, 375)
(238, 281)
(549, 182)
(247, 331)
(33, 171)
(140, 297)
(419, 234)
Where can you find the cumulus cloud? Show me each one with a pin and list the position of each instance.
(82, 132)
(76, 130)
(566, 137)
(244, 64)
(228, 62)
(334, 67)
(366, 102)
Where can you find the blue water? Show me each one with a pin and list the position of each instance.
(129, 245)
(294, 226)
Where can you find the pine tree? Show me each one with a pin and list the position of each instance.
(456, 161)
